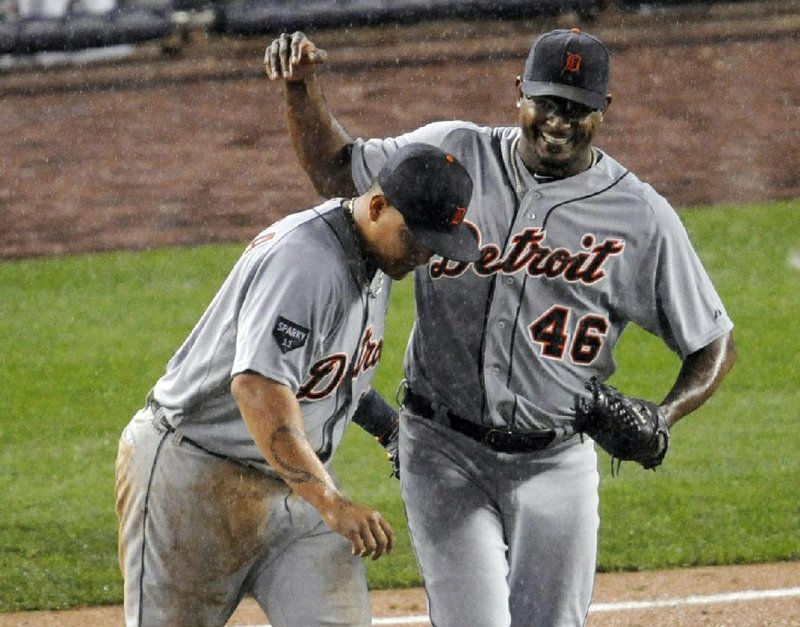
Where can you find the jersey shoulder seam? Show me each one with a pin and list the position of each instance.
(645, 194)
(474, 129)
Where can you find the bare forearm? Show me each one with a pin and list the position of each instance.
(273, 416)
(276, 425)
(319, 140)
(700, 376)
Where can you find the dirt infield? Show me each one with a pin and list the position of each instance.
(161, 150)
(737, 596)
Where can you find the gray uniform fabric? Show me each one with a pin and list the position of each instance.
(203, 519)
(323, 322)
(508, 341)
(198, 532)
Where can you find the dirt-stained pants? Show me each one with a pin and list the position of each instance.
(198, 532)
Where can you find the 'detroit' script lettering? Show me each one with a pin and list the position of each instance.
(528, 254)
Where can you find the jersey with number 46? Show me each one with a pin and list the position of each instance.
(509, 340)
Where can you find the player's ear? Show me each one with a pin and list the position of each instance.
(377, 205)
(518, 90)
(609, 98)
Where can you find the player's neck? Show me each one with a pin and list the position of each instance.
(350, 214)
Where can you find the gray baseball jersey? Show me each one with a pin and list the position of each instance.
(565, 266)
(286, 311)
(200, 529)
(508, 341)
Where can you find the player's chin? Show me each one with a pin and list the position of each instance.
(555, 152)
(398, 274)
(399, 270)
(559, 156)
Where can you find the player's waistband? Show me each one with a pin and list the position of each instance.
(500, 440)
(163, 425)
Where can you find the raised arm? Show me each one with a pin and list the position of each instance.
(273, 416)
(320, 142)
(701, 374)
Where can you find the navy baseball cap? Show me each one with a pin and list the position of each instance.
(432, 190)
(569, 64)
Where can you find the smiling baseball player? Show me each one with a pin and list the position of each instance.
(501, 492)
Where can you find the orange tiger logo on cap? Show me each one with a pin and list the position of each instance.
(458, 216)
(573, 62)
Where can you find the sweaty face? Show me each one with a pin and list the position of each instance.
(394, 248)
(558, 134)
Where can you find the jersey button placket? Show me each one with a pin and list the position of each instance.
(505, 304)
(499, 333)
(532, 209)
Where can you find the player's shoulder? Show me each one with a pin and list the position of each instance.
(299, 242)
(453, 133)
(472, 132)
(475, 145)
(444, 127)
(636, 193)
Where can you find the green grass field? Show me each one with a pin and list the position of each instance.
(85, 337)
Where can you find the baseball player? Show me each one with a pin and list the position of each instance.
(223, 482)
(501, 493)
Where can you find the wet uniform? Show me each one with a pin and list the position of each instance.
(203, 518)
(505, 526)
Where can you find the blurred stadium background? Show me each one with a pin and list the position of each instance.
(183, 142)
(180, 139)
(36, 26)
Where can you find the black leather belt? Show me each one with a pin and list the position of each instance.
(500, 440)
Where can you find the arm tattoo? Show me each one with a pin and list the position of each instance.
(290, 473)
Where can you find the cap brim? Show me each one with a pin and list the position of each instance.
(584, 96)
(458, 244)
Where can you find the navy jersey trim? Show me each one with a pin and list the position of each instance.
(346, 389)
(592, 195)
(497, 148)
(145, 517)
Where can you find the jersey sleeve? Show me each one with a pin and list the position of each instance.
(288, 308)
(369, 155)
(683, 307)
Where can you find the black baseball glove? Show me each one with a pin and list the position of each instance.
(628, 429)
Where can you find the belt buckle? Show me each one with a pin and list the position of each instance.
(497, 438)
(401, 393)
(506, 441)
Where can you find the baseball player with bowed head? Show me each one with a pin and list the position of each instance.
(507, 359)
(223, 483)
